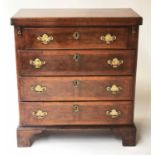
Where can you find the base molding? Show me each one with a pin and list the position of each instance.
(26, 135)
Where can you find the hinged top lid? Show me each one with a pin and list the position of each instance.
(76, 17)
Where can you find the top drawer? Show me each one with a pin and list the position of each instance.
(75, 38)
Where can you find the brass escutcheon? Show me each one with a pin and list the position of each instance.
(114, 89)
(113, 113)
(37, 63)
(38, 88)
(39, 114)
(45, 39)
(115, 62)
(108, 38)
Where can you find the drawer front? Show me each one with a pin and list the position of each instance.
(76, 62)
(76, 113)
(75, 38)
(76, 88)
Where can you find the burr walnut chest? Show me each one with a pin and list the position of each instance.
(76, 71)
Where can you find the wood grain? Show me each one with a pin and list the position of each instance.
(61, 113)
(60, 71)
(62, 62)
(63, 89)
(26, 135)
(76, 17)
(63, 38)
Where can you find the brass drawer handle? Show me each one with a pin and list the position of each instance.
(38, 88)
(114, 89)
(39, 114)
(45, 39)
(76, 35)
(108, 38)
(115, 62)
(76, 83)
(37, 63)
(75, 108)
(76, 57)
(113, 113)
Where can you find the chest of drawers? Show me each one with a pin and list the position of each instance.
(76, 71)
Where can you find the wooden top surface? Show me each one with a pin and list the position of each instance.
(53, 13)
(90, 16)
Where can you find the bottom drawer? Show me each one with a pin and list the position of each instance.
(76, 113)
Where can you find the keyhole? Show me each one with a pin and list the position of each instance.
(76, 57)
(76, 35)
(75, 108)
(76, 83)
